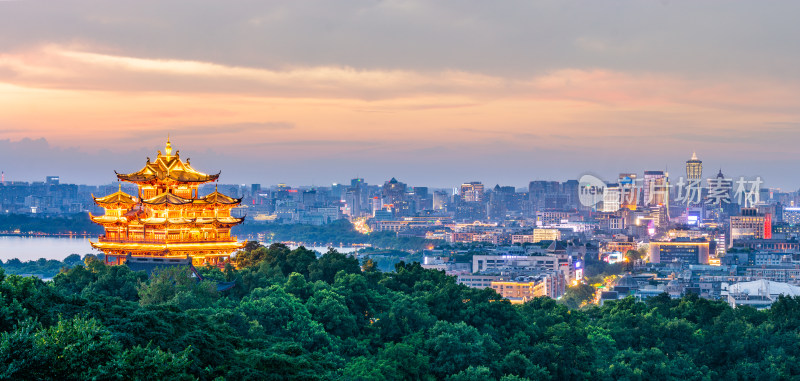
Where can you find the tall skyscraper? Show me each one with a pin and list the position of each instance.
(694, 168)
(629, 191)
(440, 200)
(394, 192)
(357, 182)
(655, 189)
(472, 191)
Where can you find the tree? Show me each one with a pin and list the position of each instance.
(72, 260)
(330, 309)
(332, 262)
(576, 296)
(146, 363)
(455, 346)
(176, 285)
(117, 281)
(69, 350)
(273, 312)
(479, 373)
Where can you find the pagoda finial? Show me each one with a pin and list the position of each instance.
(120, 185)
(168, 148)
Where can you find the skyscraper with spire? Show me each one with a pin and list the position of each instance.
(694, 168)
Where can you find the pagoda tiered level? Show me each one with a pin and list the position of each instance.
(168, 218)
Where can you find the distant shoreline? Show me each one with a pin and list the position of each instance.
(76, 235)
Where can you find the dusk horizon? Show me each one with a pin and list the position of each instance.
(309, 95)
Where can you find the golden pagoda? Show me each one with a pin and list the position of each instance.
(168, 218)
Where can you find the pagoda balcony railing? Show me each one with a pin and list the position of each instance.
(165, 241)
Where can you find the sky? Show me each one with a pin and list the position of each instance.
(434, 93)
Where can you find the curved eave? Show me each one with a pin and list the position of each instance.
(166, 202)
(159, 221)
(168, 246)
(201, 202)
(167, 199)
(148, 179)
(114, 205)
(229, 223)
(105, 220)
(203, 179)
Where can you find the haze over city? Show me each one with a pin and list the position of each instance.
(430, 93)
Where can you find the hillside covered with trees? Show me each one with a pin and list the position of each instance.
(292, 315)
(76, 223)
(339, 232)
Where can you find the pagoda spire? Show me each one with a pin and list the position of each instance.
(168, 148)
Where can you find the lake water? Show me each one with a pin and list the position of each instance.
(32, 248)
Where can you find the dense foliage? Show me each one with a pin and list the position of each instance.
(43, 268)
(292, 315)
(26, 224)
(339, 232)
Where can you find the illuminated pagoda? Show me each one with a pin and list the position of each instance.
(168, 219)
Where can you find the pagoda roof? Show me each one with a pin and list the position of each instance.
(107, 219)
(219, 198)
(157, 247)
(167, 167)
(136, 212)
(162, 221)
(220, 220)
(118, 197)
(184, 221)
(167, 198)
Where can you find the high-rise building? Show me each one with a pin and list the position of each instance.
(683, 250)
(791, 215)
(750, 225)
(394, 191)
(539, 189)
(167, 219)
(655, 190)
(376, 203)
(440, 200)
(694, 168)
(357, 182)
(611, 198)
(472, 191)
(309, 198)
(352, 200)
(629, 191)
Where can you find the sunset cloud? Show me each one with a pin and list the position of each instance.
(394, 86)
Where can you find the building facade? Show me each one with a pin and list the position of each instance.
(167, 218)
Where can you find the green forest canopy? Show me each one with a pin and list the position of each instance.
(292, 315)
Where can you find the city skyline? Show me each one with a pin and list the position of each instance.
(244, 172)
(431, 93)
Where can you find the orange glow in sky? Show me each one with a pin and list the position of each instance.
(90, 96)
